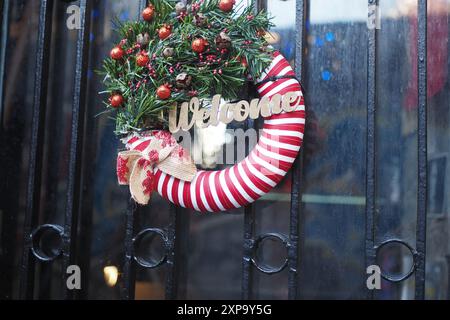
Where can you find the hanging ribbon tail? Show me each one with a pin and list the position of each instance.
(179, 165)
(142, 181)
(156, 149)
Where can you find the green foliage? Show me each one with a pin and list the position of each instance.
(223, 73)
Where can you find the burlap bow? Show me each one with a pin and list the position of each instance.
(156, 149)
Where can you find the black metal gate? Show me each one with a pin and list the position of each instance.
(53, 236)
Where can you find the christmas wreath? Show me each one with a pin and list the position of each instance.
(180, 51)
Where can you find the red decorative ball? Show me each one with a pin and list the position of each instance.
(117, 53)
(163, 92)
(199, 45)
(116, 100)
(148, 13)
(164, 32)
(142, 60)
(226, 5)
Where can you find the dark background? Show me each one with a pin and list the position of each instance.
(332, 225)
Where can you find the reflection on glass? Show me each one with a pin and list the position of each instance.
(437, 284)
(332, 256)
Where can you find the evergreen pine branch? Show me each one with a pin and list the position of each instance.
(224, 75)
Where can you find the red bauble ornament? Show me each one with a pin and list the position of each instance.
(117, 53)
(164, 32)
(163, 92)
(148, 13)
(142, 60)
(199, 45)
(116, 100)
(226, 5)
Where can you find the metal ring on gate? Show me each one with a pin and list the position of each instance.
(47, 234)
(414, 255)
(137, 242)
(259, 241)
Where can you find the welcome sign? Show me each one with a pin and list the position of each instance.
(192, 112)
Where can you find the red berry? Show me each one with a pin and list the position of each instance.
(244, 62)
(163, 92)
(117, 53)
(226, 5)
(142, 60)
(116, 100)
(199, 45)
(164, 32)
(148, 13)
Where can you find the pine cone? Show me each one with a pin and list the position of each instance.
(168, 52)
(143, 39)
(223, 41)
(200, 20)
(180, 7)
(183, 80)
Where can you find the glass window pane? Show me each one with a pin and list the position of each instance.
(332, 256)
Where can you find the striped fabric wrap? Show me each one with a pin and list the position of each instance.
(265, 166)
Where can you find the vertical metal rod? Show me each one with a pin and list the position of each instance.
(370, 254)
(422, 150)
(294, 228)
(6, 245)
(88, 175)
(4, 9)
(447, 259)
(249, 230)
(174, 255)
(249, 217)
(129, 267)
(247, 270)
(248, 245)
(36, 145)
(78, 110)
(171, 277)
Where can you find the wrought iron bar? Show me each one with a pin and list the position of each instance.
(421, 227)
(4, 23)
(36, 145)
(294, 228)
(78, 115)
(129, 266)
(247, 265)
(249, 219)
(171, 277)
(371, 221)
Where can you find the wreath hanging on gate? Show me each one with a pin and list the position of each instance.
(177, 52)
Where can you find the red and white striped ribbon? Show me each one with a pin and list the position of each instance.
(256, 175)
